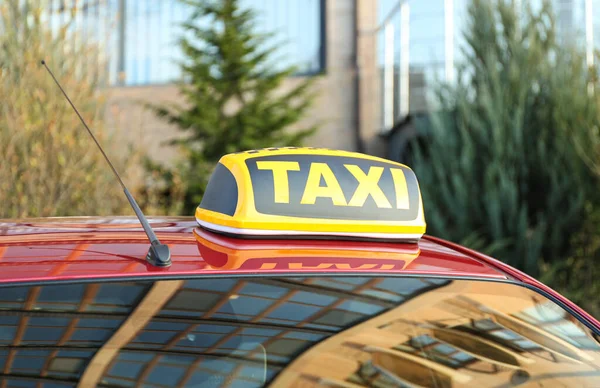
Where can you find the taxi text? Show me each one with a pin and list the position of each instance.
(367, 184)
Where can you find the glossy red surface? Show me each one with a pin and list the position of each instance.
(85, 248)
(69, 248)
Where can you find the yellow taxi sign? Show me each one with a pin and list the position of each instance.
(309, 192)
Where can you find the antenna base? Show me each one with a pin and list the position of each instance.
(159, 255)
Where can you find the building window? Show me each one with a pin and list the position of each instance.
(499, 333)
(430, 348)
(138, 38)
(556, 321)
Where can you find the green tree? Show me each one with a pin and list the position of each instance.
(232, 91)
(501, 169)
(48, 164)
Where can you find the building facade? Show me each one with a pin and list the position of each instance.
(376, 61)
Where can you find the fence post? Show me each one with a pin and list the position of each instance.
(449, 40)
(122, 42)
(388, 77)
(404, 98)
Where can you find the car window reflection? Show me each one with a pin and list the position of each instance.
(316, 331)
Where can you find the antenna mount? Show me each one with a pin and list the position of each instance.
(159, 254)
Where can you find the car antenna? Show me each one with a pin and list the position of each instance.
(159, 254)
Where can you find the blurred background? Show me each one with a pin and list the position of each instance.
(493, 103)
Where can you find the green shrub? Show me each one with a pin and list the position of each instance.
(48, 164)
(578, 276)
(501, 169)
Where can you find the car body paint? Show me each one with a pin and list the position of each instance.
(71, 249)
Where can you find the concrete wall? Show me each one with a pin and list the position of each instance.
(341, 91)
(369, 77)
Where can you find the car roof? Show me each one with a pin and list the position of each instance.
(53, 249)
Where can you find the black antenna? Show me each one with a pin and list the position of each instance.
(158, 254)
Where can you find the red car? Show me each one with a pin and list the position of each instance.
(302, 268)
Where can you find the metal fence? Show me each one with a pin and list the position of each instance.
(138, 38)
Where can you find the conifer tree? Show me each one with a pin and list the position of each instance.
(232, 90)
(502, 167)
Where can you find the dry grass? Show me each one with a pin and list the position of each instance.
(48, 164)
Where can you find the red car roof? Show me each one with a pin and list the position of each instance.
(78, 248)
(67, 249)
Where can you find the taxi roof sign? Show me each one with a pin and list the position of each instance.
(308, 192)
